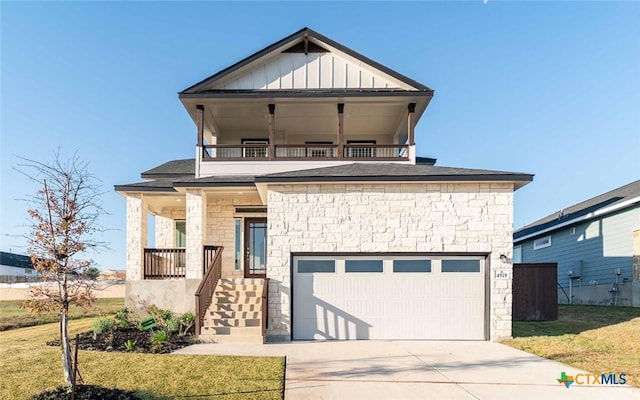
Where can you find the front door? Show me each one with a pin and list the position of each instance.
(255, 248)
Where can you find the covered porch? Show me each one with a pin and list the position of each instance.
(175, 238)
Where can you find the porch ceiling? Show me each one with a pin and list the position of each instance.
(363, 116)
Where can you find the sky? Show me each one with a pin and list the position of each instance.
(548, 88)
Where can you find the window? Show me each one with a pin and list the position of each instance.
(411, 266)
(360, 152)
(322, 150)
(181, 233)
(542, 242)
(460, 266)
(314, 266)
(255, 152)
(362, 266)
(517, 254)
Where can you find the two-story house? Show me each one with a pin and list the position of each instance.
(306, 213)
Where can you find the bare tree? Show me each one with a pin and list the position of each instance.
(63, 217)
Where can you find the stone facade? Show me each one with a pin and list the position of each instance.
(136, 235)
(196, 233)
(165, 232)
(412, 217)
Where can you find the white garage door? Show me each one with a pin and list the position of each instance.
(388, 298)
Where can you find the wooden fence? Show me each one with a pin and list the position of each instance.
(535, 293)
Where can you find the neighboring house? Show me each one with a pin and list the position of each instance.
(594, 243)
(16, 266)
(305, 175)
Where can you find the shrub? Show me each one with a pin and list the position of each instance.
(103, 325)
(172, 325)
(123, 317)
(130, 345)
(158, 339)
(186, 322)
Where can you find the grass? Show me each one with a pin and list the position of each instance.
(12, 316)
(598, 339)
(29, 367)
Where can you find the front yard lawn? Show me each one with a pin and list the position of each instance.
(598, 339)
(12, 316)
(29, 366)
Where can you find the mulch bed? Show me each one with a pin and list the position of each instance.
(87, 392)
(116, 341)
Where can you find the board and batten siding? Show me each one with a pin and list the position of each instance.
(601, 244)
(308, 71)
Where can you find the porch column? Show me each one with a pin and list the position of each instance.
(136, 236)
(272, 131)
(340, 130)
(196, 214)
(411, 124)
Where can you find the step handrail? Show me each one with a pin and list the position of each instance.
(265, 308)
(204, 293)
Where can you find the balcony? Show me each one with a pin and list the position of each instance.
(302, 152)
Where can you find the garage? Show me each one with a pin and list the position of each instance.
(347, 297)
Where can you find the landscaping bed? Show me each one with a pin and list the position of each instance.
(87, 392)
(160, 332)
(122, 339)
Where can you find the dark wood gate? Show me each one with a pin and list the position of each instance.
(535, 293)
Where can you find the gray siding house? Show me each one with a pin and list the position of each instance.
(596, 245)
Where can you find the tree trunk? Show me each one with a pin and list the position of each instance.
(67, 368)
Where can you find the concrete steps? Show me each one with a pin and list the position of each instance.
(235, 314)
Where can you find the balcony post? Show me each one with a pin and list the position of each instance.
(340, 130)
(411, 124)
(200, 123)
(272, 131)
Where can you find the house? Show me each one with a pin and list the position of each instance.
(596, 244)
(306, 213)
(16, 268)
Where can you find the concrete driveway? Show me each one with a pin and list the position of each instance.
(418, 370)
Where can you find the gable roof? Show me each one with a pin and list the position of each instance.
(304, 35)
(602, 204)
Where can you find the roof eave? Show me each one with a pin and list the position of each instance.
(139, 189)
(522, 179)
(239, 94)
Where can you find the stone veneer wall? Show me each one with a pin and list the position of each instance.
(165, 232)
(412, 217)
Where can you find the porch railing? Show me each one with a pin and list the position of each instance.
(301, 152)
(164, 263)
(204, 293)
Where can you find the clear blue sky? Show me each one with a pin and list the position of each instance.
(546, 88)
